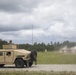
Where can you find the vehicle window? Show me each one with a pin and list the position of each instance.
(1, 53)
(8, 53)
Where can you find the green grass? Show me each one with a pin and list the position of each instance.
(56, 58)
(37, 73)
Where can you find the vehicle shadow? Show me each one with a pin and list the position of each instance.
(15, 67)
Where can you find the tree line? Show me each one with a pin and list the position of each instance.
(52, 46)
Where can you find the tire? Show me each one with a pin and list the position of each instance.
(19, 63)
(1, 65)
(29, 64)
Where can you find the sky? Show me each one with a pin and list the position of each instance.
(42, 20)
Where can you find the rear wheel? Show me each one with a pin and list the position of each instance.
(19, 63)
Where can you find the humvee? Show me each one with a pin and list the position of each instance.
(20, 57)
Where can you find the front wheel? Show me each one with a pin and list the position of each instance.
(1, 65)
(19, 63)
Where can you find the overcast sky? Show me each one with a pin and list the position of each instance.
(52, 20)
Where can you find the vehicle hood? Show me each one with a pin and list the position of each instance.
(22, 52)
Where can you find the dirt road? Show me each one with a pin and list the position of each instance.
(42, 67)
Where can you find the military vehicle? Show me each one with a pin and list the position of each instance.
(20, 57)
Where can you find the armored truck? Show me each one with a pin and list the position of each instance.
(20, 57)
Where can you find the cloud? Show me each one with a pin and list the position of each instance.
(17, 6)
(52, 20)
(16, 22)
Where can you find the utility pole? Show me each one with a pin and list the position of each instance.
(32, 34)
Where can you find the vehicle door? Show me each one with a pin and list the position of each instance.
(9, 56)
(1, 57)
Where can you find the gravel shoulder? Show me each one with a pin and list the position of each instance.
(42, 67)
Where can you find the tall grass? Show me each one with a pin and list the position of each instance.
(56, 58)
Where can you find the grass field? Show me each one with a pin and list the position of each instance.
(48, 58)
(37, 73)
(56, 58)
